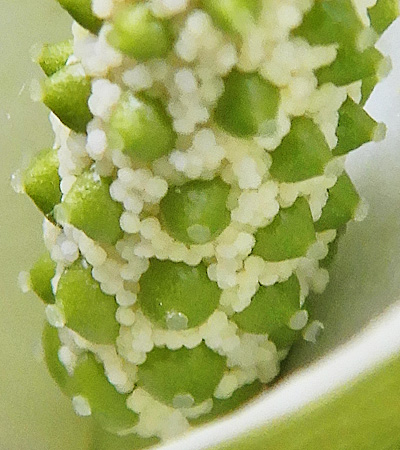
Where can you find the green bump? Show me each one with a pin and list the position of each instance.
(289, 235)
(53, 57)
(103, 440)
(341, 205)
(42, 182)
(108, 406)
(226, 406)
(355, 127)
(143, 126)
(88, 311)
(284, 337)
(233, 16)
(333, 248)
(383, 13)
(349, 66)
(51, 344)
(67, 93)
(249, 105)
(89, 207)
(167, 373)
(302, 154)
(367, 87)
(81, 11)
(177, 296)
(196, 212)
(139, 34)
(379, 61)
(41, 275)
(337, 22)
(330, 22)
(270, 308)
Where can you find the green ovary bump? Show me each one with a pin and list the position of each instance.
(288, 236)
(81, 11)
(249, 105)
(41, 275)
(177, 296)
(143, 127)
(341, 205)
(108, 406)
(89, 207)
(302, 154)
(196, 212)
(51, 345)
(66, 93)
(139, 34)
(42, 182)
(355, 127)
(195, 373)
(53, 57)
(271, 308)
(87, 310)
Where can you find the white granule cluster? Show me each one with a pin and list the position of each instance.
(155, 418)
(257, 207)
(168, 8)
(191, 80)
(95, 53)
(202, 159)
(193, 92)
(81, 406)
(102, 8)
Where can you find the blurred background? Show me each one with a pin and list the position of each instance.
(365, 278)
(34, 415)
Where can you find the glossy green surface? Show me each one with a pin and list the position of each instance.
(42, 182)
(168, 373)
(51, 345)
(53, 57)
(81, 11)
(41, 274)
(88, 311)
(177, 296)
(288, 236)
(284, 337)
(302, 154)
(108, 406)
(226, 406)
(233, 16)
(248, 105)
(356, 127)
(368, 85)
(349, 66)
(196, 212)
(330, 22)
(341, 205)
(270, 308)
(333, 248)
(89, 207)
(139, 34)
(382, 14)
(144, 128)
(66, 93)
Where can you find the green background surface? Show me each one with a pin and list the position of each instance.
(362, 417)
(33, 413)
